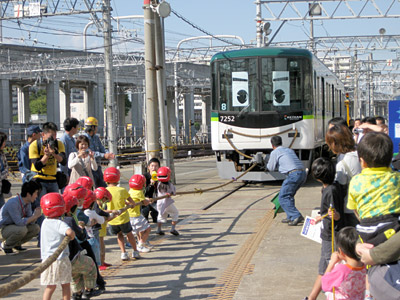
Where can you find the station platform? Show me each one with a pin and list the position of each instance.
(233, 250)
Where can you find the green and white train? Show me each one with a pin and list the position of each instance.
(261, 92)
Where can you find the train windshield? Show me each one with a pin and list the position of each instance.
(237, 85)
(286, 84)
(262, 83)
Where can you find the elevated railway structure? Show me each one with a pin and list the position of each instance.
(371, 79)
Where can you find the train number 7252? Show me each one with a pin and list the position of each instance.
(227, 118)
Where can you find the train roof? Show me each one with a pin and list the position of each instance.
(267, 51)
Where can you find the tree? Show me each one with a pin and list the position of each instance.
(38, 102)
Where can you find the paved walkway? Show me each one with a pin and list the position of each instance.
(234, 250)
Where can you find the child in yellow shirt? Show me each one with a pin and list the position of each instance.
(138, 222)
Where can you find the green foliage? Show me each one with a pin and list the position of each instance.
(37, 102)
(128, 105)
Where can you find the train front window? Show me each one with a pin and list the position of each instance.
(238, 85)
(286, 84)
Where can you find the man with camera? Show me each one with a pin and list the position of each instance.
(44, 155)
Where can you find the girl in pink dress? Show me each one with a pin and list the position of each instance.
(346, 280)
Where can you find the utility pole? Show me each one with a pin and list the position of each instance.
(152, 135)
(162, 87)
(110, 107)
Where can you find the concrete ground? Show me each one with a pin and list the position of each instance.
(233, 250)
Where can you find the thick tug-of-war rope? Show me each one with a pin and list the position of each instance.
(200, 191)
(14, 285)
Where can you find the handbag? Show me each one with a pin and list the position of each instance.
(5, 186)
(61, 179)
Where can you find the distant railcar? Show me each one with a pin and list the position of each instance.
(261, 92)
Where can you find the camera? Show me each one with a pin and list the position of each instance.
(358, 130)
(87, 151)
(51, 142)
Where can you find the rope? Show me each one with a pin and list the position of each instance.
(173, 147)
(294, 138)
(200, 191)
(296, 132)
(14, 285)
(234, 147)
(258, 136)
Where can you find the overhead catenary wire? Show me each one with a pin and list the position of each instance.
(202, 30)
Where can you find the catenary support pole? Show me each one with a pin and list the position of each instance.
(110, 107)
(152, 133)
(162, 93)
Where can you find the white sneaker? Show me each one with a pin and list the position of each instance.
(124, 256)
(135, 254)
(143, 248)
(148, 245)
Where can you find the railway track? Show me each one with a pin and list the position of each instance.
(130, 156)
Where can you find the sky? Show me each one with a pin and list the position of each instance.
(233, 17)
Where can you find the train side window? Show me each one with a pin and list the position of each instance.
(286, 84)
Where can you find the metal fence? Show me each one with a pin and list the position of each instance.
(16, 136)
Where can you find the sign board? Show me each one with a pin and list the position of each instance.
(312, 230)
(394, 123)
(34, 9)
(240, 89)
(281, 88)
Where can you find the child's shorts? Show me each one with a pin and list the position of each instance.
(124, 228)
(326, 252)
(59, 272)
(103, 230)
(170, 210)
(139, 224)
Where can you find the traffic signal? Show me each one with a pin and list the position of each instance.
(347, 96)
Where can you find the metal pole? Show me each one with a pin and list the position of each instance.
(111, 113)
(371, 93)
(312, 35)
(259, 24)
(356, 100)
(162, 91)
(177, 129)
(1, 23)
(152, 135)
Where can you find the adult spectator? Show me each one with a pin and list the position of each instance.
(17, 221)
(71, 127)
(337, 121)
(351, 124)
(97, 147)
(4, 183)
(380, 120)
(384, 273)
(44, 155)
(367, 124)
(286, 161)
(82, 162)
(340, 140)
(33, 133)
